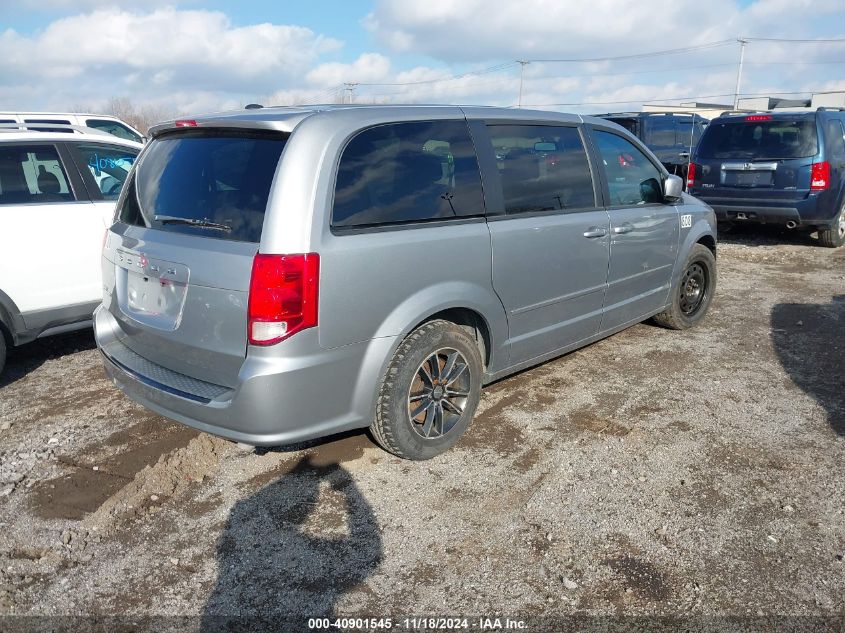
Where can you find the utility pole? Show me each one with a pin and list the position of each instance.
(742, 44)
(522, 64)
(350, 90)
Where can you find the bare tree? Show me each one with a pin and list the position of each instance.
(139, 117)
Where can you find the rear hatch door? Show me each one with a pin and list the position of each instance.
(758, 156)
(178, 258)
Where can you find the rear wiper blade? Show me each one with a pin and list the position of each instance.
(204, 223)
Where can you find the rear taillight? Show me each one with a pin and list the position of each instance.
(820, 176)
(283, 295)
(691, 176)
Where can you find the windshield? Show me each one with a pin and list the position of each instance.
(209, 183)
(776, 138)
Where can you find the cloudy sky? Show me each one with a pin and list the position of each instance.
(200, 55)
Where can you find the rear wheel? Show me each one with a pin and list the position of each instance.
(693, 292)
(430, 391)
(835, 235)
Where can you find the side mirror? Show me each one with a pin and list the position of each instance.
(673, 188)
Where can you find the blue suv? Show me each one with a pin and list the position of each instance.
(775, 168)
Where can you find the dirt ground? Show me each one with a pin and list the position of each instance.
(655, 473)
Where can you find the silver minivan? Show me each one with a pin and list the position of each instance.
(282, 274)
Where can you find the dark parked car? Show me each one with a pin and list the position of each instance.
(670, 136)
(775, 167)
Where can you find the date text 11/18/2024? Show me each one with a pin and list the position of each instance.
(418, 623)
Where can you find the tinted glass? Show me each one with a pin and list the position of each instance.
(408, 172)
(32, 174)
(50, 129)
(114, 128)
(687, 133)
(220, 179)
(108, 166)
(777, 138)
(542, 168)
(835, 138)
(661, 131)
(631, 177)
(628, 124)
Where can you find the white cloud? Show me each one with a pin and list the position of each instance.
(154, 52)
(369, 67)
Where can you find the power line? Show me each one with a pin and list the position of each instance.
(664, 99)
(777, 39)
(671, 51)
(441, 79)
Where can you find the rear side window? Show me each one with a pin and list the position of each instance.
(773, 138)
(542, 168)
(660, 131)
(407, 172)
(631, 177)
(43, 127)
(108, 166)
(32, 174)
(209, 183)
(688, 131)
(836, 138)
(114, 128)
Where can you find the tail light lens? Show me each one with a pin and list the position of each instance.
(820, 176)
(691, 172)
(283, 293)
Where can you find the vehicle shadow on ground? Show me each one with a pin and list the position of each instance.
(277, 567)
(809, 344)
(29, 357)
(764, 235)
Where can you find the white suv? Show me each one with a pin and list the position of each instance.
(57, 196)
(103, 122)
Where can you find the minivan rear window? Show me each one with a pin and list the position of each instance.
(213, 183)
(775, 138)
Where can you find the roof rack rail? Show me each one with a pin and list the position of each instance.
(830, 108)
(51, 127)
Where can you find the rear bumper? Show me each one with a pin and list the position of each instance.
(305, 395)
(811, 211)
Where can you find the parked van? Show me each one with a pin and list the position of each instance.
(282, 274)
(784, 168)
(103, 122)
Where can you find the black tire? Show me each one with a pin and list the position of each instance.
(692, 292)
(395, 427)
(834, 236)
(2, 350)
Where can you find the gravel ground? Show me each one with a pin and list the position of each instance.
(655, 473)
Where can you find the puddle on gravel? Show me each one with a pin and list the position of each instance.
(125, 452)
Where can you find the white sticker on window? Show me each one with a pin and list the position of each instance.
(686, 221)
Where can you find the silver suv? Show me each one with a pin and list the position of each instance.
(283, 274)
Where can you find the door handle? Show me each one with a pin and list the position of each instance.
(595, 231)
(627, 227)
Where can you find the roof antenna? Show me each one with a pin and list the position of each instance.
(253, 106)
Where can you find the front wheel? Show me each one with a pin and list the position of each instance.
(430, 391)
(692, 292)
(835, 235)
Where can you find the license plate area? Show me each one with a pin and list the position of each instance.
(748, 174)
(151, 291)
